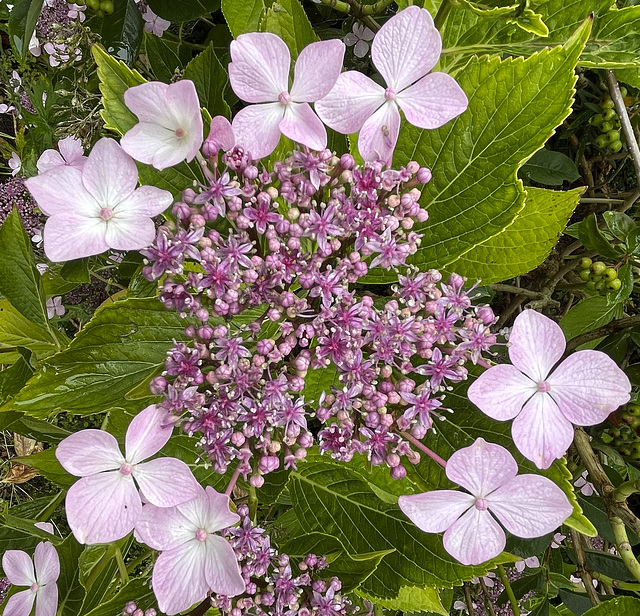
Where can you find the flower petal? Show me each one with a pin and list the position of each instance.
(588, 386)
(530, 506)
(166, 482)
(18, 567)
(173, 567)
(47, 563)
(361, 48)
(475, 538)
(49, 159)
(379, 134)
(351, 102)
(148, 101)
(71, 236)
(406, 48)
(148, 432)
(145, 201)
(541, 432)
(182, 100)
(256, 128)
(20, 604)
(303, 126)
(103, 508)
(434, 512)
(155, 145)
(221, 133)
(221, 568)
(164, 528)
(259, 71)
(47, 527)
(316, 70)
(501, 391)
(72, 152)
(536, 344)
(89, 452)
(130, 233)
(47, 600)
(433, 101)
(481, 468)
(210, 511)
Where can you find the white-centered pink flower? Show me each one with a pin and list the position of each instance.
(71, 153)
(97, 208)
(404, 50)
(41, 580)
(526, 505)
(544, 403)
(104, 505)
(170, 126)
(194, 559)
(259, 73)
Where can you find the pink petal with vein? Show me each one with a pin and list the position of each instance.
(379, 135)
(434, 512)
(166, 482)
(18, 567)
(129, 233)
(47, 600)
(148, 102)
(47, 563)
(316, 70)
(45, 189)
(145, 201)
(303, 126)
(164, 528)
(72, 152)
(475, 538)
(20, 604)
(89, 452)
(148, 432)
(256, 128)
(221, 133)
(211, 507)
(154, 144)
(71, 236)
(221, 568)
(49, 159)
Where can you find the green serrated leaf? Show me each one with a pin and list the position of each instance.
(76, 271)
(12, 379)
(410, 599)
(629, 606)
(121, 32)
(211, 81)
(243, 15)
(589, 314)
(162, 57)
(287, 19)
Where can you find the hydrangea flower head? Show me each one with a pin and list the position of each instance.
(170, 126)
(191, 550)
(41, 580)
(544, 403)
(104, 505)
(404, 50)
(99, 207)
(259, 73)
(71, 153)
(526, 505)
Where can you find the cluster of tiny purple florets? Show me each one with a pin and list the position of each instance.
(57, 26)
(269, 266)
(13, 193)
(132, 609)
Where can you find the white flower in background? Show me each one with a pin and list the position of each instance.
(34, 46)
(360, 37)
(154, 24)
(36, 238)
(55, 307)
(532, 562)
(586, 487)
(15, 164)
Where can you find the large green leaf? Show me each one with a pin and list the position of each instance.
(211, 81)
(121, 32)
(22, 24)
(70, 590)
(12, 379)
(119, 348)
(629, 606)
(589, 314)
(287, 19)
(137, 590)
(243, 15)
(162, 56)
(475, 197)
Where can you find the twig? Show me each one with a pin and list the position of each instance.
(624, 547)
(601, 200)
(600, 332)
(507, 288)
(609, 581)
(583, 572)
(487, 598)
(424, 449)
(507, 586)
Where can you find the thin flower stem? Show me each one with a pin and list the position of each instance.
(605, 579)
(424, 449)
(467, 598)
(138, 560)
(582, 571)
(507, 586)
(624, 547)
(253, 504)
(487, 598)
(122, 568)
(232, 482)
(626, 489)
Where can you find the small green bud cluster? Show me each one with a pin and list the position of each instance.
(609, 123)
(100, 7)
(598, 276)
(624, 436)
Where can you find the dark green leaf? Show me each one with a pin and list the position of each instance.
(137, 590)
(287, 19)
(318, 381)
(542, 609)
(211, 81)
(70, 591)
(578, 603)
(550, 168)
(625, 274)
(12, 379)
(593, 239)
(22, 24)
(122, 31)
(616, 606)
(184, 10)
(619, 224)
(46, 463)
(31, 428)
(76, 271)
(520, 587)
(589, 314)
(161, 55)
(243, 15)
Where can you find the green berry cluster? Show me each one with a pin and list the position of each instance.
(624, 436)
(598, 276)
(100, 7)
(609, 123)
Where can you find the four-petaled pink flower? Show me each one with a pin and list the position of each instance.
(19, 569)
(97, 208)
(359, 37)
(154, 24)
(526, 505)
(105, 504)
(583, 390)
(170, 126)
(259, 73)
(71, 153)
(404, 50)
(194, 560)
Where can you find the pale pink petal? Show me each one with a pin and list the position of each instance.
(89, 452)
(351, 38)
(49, 159)
(71, 236)
(406, 48)
(541, 432)
(221, 568)
(588, 386)
(259, 71)
(366, 34)
(221, 133)
(47, 527)
(256, 128)
(351, 102)
(148, 101)
(316, 70)
(361, 48)
(164, 528)
(103, 508)
(474, 538)
(75, 198)
(155, 145)
(182, 99)
(501, 391)
(109, 174)
(47, 600)
(47, 563)
(145, 201)
(434, 512)
(129, 233)
(166, 482)
(303, 126)
(433, 101)
(20, 604)
(379, 134)
(178, 578)
(530, 506)
(18, 567)
(481, 467)
(148, 432)
(536, 344)
(219, 515)
(72, 152)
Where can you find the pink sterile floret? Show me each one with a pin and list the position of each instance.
(170, 126)
(41, 581)
(105, 504)
(71, 154)
(191, 550)
(259, 73)
(97, 208)
(583, 390)
(404, 50)
(526, 505)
